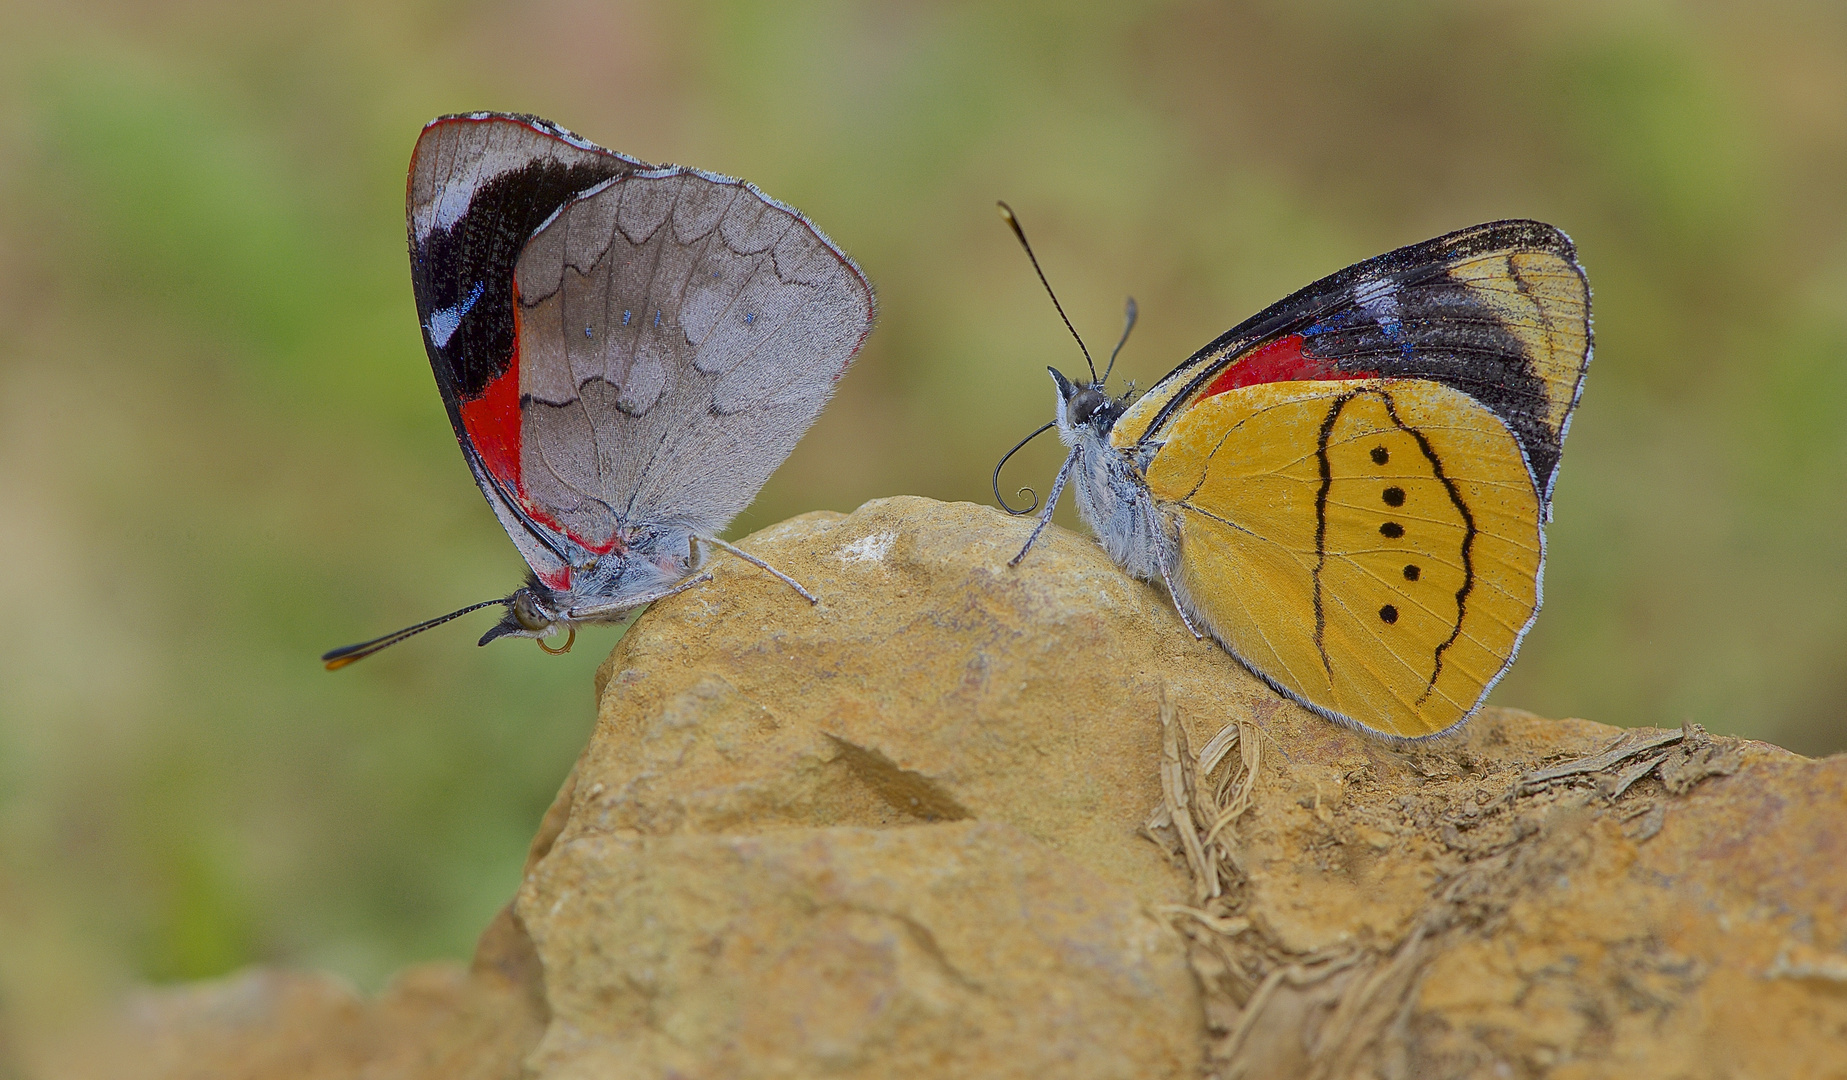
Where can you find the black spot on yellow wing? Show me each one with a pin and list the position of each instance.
(1286, 560)
(1392, 496)
(1468, 543)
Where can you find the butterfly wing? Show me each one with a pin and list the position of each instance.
(1371, 548)
(1458, 361)
(480, 185)
(1499, 312)
(574, 304)
(678, 332)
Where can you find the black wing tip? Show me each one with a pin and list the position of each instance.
(1526, 234)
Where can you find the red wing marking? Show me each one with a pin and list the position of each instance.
(493, 423)
(1279, 361)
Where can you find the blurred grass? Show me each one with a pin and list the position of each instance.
(221, 452)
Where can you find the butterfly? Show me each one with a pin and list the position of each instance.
(1349, 490)
(626, 352)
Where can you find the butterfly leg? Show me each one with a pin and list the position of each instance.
(760, 564)
(1051, 504)
(1197, 636)
(1162, 549)
(679, 587)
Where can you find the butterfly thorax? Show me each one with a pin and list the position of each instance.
(603, 588)
(1112, 498)
(653, 559)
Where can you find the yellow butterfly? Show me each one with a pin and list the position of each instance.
(1349, 490)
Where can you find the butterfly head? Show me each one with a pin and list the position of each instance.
(1086, 404)
(532, 611)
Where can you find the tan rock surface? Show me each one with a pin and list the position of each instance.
(1478, 908)
(433, 1021)
(894, 834)
(951, 822)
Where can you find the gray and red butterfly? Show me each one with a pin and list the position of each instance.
(626, 352)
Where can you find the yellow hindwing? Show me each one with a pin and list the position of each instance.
(1372, 548)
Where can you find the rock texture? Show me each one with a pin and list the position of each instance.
(962, 819)
(438, 1020)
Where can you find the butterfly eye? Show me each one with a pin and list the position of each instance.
(526, 611)
(1086, 403)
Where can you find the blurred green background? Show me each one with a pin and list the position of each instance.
(221, 451)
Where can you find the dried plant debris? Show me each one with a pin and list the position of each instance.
(1496, 837)
(1680, 759)
(1797, 961)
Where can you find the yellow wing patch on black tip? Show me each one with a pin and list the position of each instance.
(1371, 548)
(1500, 311)
(1542, 300)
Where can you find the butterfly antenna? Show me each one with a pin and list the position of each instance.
(339, 658)
(1002, 499)
(1006, 215)
(1128, 324)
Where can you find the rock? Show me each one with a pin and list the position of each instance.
(1442, 909)
(1460, 910)
(962, 819)
(435, 1020)
(848, 951)
(856, 839)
